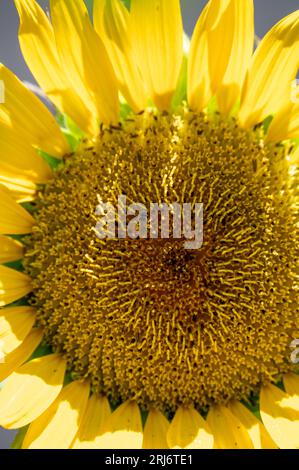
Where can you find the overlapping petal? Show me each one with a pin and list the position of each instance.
(92, 426)
(271, 73)
(285, 124)
(228, 431)
(255, 428)
(23, 113)
(188, 430)
(123, 429)
(155, 431)
(11, 250)
(14, 219)
(15, 325)
(21, 354)
(39, 50)
(280, 415)
(84, 55)
(30, 390)
(112, 22)
(157, 35)
(13, 285)
(65, 413)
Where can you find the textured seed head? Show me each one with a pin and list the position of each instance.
(148, 319)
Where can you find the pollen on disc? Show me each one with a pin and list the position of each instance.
(148, 319)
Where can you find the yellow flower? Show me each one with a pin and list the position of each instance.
(113, 331)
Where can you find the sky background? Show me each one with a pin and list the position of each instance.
(267, 13)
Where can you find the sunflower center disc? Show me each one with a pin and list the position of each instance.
(149, 319)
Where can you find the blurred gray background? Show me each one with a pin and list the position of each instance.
(267, 12)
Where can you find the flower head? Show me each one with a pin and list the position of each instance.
(140, 342)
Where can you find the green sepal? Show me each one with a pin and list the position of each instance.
(180, 94)
(68, 378)
(16, 265)
(71, 140)
(253, 406)
(267, 122)
(280, 385)
(52, 161)
(70, 130)
(89, 4)
(42, 350)
(125, 110)
(20, 303)
(295, 142)
(144, 415)
(18, 440)
(235, 110)
(212, 107)
(127, 4)
(29, 207)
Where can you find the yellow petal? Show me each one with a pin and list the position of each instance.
(228, 431)
(273, 68)
(123, 429)
(11, 250)
(13, 218)
(13, 285)
(38, 46)
(29, 117)
(57, 426)
(15, 325)
(210, 51)
(280, 415)
(21, 190)
(291, 384)
(112, 23)
(285, 124)
(241, 50)
(255, 428)
(188, 430)
(85, 58)
(17, 357)
(20, 158)
(155, 431)
(30, 390)
(157, 34)
(93, 423)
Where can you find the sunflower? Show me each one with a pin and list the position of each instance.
(131, 343)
